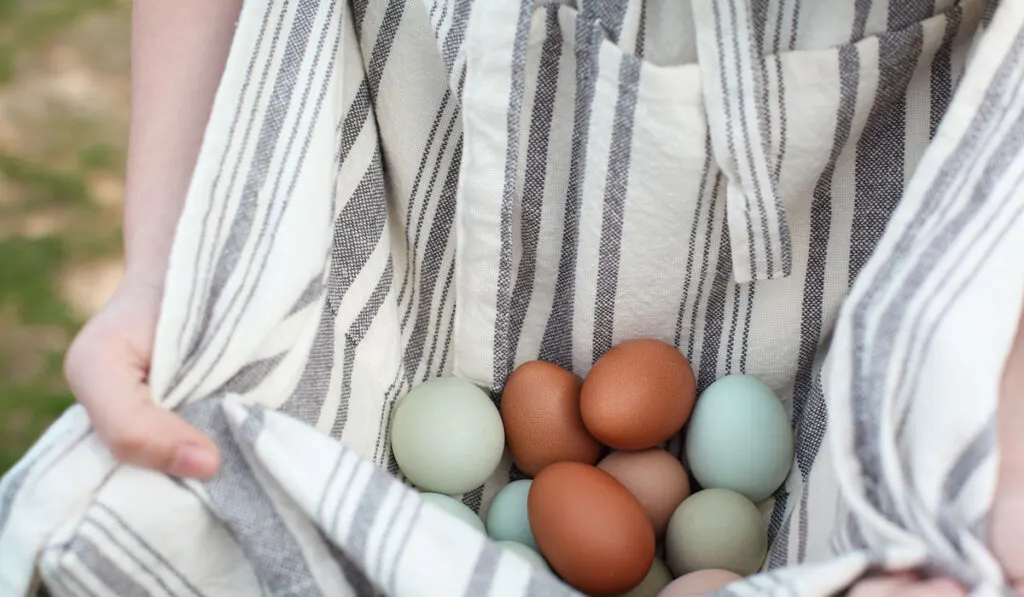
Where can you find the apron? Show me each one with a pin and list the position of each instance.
(389, 191)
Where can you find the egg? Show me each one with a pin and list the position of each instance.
(540, 407)
(638, 395)
(657, 578)
(716, 528)
(697, 584)
(532, 557)
(590, 528)
(455, 507)
(739, 438)
(507, 519)
(447, 436)
(655, 477)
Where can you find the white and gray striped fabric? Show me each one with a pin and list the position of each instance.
(822, 194)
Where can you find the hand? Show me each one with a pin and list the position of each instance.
(107, 368)
(904, 585)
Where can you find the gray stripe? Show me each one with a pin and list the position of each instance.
(410, 246)
(241, 226)
(556, 346)
(402, 545)
(942, 71)
(314, 290)
(503, 355)
(456, 33)
(714, 316)
(355, 119)
(239, 500)
(814, 280)
(438, 239)
(730, 133)
(730, 338)
(616, 185)
(429, 369)
(126, 553)
(483, 572)
(359, 15)
(713, 220)
(535, 173)
(365, 517)
(473, 498)
(870, 372)
(104, 570)
(382, 47)
(691, 251)
(251, 375)
(609, 13)
(353, 338)
(357, 231)
(360, 584)
(442, 221)
(905, 13)
(979, 449)
(881, 147)
(199, 291)
(152, 553)
(32, 462)
(860, 19)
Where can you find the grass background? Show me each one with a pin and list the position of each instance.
(64, 100)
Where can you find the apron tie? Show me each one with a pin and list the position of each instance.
(732, 69)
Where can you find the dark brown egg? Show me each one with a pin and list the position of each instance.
(638, 395)
(590, 528)
(540, 408)
(655, 477)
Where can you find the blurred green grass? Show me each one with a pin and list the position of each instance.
(63, 125)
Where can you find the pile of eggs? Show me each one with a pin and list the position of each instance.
(604, 492)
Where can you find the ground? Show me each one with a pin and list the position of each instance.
(64, 99)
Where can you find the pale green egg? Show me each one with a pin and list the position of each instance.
(455, 507)
(507, 519)
(716, 528)
(739, 438)
(657, 579)
(447, 436)
(532, 557)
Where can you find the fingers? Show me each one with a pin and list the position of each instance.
(903, 585)
(110, 383)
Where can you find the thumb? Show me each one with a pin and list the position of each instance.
(147, 435)
(136, 429)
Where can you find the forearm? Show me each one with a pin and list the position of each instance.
(178, 52)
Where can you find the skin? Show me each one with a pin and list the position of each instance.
(178, 51)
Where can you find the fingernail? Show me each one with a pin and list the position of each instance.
(192, 460)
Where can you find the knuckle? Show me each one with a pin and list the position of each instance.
(126, 446)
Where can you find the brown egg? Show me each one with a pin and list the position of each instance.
(540, 409)
(591, 530)
(699, 583)
(638, 395)
(655, 477)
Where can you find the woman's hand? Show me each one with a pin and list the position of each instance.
(107, 368)
(902, 585)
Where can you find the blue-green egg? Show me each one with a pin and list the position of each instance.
(447, 436)
(507, 519)
(456, 508)
(739, 438)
